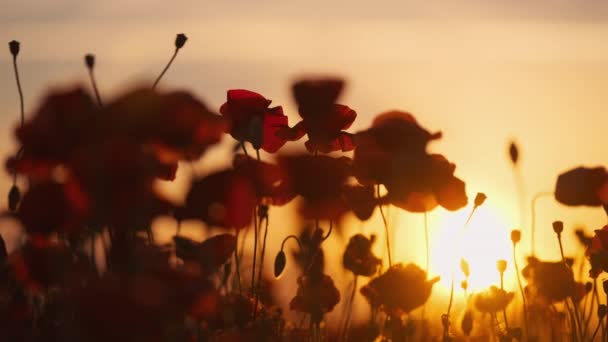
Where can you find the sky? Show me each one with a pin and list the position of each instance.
(483, 72)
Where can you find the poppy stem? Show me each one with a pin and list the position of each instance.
(244, 148)
(331, 228)
(18, 80)
(521, 290)
(573, 312)
(259, 288)
(504, 310)
(388, 242)
(536, 197)
(90, 63)
(165, 69)
(597, 328)
(291, 237)
(238, 265)
(349, 308)
(255, 251)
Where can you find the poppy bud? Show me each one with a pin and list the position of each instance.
(501, 265)
(558, 227)
(464, 267)
(464, 285)
(467, 323)
(180, 40)
(513, 153)
(89, 60)
(480, 198)
(601, 311)
(14, 47)
(515, 236)
(279, 264)
(14, 197)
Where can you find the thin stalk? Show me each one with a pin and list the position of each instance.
(521, 290)
(521, 194)
(261, 268)
(504, 310)
(597, 328)
(533, 220)
(95, 89)
(386, 231)
(18, 79)
(238, 264)
(349, 308)
(426, 241)
(165, 69)
(573, 312)
(255, 249)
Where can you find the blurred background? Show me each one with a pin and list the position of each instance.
(483, 72)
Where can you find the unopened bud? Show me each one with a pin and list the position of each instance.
(180, 40)
(89, 60)
(558, 227)
(515, 236)
(501, 265)
(480, 198)
(14, 47)
(513, 153)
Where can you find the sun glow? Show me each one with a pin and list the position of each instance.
(485, 240)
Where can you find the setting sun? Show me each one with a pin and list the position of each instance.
(484, 241)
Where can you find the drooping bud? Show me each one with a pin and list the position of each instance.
(501, 265)
(180, 40)
(89, 60)
(513, 153)
(464, 267)
(14, 47)
(279, 264)
(480, 198)
(14, 197)
(515, 236)
(558, 227)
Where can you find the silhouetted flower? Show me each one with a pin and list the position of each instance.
(224, 199)
(358, 257)
(400, 289)
(493, 300)
(210, 254)
(515, 236)
(252, 120)
(597, 252)
(322, 182)
(316, 296)
(393, 152)
(581, 186)
(551, 282)
(46, 209)
(323, 120)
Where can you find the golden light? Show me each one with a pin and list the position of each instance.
(484, 241)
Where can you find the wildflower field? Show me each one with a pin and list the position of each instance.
(105, 255)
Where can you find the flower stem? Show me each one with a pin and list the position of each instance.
(521, 290)
(504, 310)
(255, 250)
(165, 69)
(536, 197)
(238, 265)
(259, 288)
(386, 231)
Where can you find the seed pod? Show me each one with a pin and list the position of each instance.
(501, 265)
(14, 47)
(558, 227)
(180, 40)
(89, 60)
(515, 236)
(279, 264)
(480, 198)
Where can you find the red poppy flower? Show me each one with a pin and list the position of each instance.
(423, 186)
(317, 295)
(268, 180)
(64, 121)
(46, 209)
(399, 290)
(252, 120)
(393, 139)
(176, 124)
(358, 257)
(323, 120)
(224, 199)
(581, 186)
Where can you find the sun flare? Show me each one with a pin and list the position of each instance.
(484, 241)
